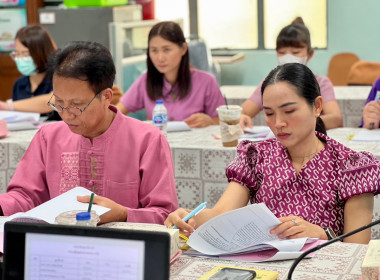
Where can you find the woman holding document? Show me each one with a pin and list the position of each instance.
(315, 186)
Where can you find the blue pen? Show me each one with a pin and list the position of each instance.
(196, 211)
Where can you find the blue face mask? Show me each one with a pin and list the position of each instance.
(26, 66)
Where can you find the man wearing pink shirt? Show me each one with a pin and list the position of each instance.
(127, 163)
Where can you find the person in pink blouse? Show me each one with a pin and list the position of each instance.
(294, 45)
(315, 186)
(127, 163)
(189, 95)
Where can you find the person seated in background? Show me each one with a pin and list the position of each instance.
(189, 95)
(294, 45)
(33, 47)
(312, 183)
(126, 162)
(371, 111)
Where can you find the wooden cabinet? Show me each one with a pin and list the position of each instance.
(8, 75)
(8, 69)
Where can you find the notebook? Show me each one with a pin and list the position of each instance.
(49, 251)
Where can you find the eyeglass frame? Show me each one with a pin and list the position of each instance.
(14, 56)
(53, 106)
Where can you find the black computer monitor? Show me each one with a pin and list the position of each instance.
(46, 251)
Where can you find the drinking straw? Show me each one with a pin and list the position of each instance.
(91, 201)
(225, 99)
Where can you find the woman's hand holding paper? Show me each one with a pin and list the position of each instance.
(295, 227)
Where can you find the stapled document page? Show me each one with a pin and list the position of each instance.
(241, 231)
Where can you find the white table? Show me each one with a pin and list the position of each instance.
(337, 261)
(351, 100)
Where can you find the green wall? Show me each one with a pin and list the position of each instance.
(353, 26)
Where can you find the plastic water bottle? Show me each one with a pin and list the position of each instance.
(84, 219)
(160, 116)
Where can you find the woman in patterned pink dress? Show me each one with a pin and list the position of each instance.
(313, 184)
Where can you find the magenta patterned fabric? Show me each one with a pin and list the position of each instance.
(318, 192)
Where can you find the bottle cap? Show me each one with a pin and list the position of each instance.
(83, 216)
(159, 101)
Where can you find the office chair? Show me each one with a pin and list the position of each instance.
(200, 57)
(339, 67)
(363, 73)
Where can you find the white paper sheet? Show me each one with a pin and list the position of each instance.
(177, 126)
(65, 202)
(367, 135)
(14, 116)
(257, 129)
(241, 230)
(21, 126)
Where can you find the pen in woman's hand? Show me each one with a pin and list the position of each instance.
(196, 211)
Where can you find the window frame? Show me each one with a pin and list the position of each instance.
(193, 25)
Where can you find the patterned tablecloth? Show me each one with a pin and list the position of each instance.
(351, 100)
(337, 261)
(199, 159)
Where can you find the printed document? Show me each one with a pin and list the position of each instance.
(241, 231)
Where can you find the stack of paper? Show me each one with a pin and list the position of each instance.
(20, 120)
(240, 233)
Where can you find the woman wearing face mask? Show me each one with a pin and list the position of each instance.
(189, 95)
(293, 45)
(31, 92)
(33, 46)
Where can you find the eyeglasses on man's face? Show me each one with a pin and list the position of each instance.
(71, 109)
(15, 55)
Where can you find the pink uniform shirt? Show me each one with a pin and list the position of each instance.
(318, 192)
(130, 164)
(325, 85)
(204, 97)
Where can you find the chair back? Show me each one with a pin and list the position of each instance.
(201, 58)
(339, 67)
(363, 73)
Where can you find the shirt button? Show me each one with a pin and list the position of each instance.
(91, 183)
(89, 152)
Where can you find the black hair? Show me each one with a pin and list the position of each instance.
(172, 32)
(303, 80)
(85, 61)
(295, 35)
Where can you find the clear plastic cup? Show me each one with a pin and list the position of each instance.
(229, 120)
(69, 218)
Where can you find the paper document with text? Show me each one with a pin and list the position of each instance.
(240, 231)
